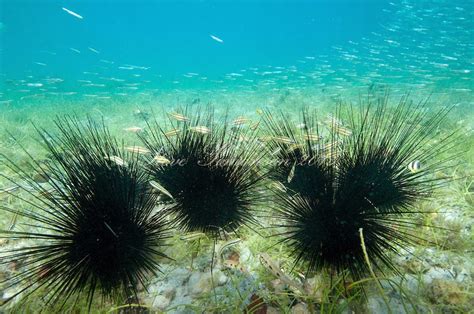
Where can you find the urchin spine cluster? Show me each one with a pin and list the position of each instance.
(362, 181)
(93, 222)
(100, 232)
(209, 168)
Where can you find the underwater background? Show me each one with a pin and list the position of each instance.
(123, 61)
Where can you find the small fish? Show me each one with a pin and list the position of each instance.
(273, 267)
(227, 245)
(294, 147)
(414, 166)
(254, 126)
(276, 151)
(339, 129)
(240, 121)
(200, 129)
(94, 85)
(265, 139)
(279, 186)
(34, 84)
(75, 50)
(10, 189)
(93, 50)
(259, 112)
(161, 189)
(133, 129)
(191, 236)
(161, 160)
(292, 173)
(73, 13)
(243, 138)
(178, 116)
(137, 149)
(312, 137)
(330, 146)
(217, 39)
(117, 160)
(283, 140)
(329, 150)
(173, 132)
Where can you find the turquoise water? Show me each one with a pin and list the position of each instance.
(125, 48)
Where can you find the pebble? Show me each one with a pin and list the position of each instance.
(443, 291)
(201, 282)
(462, 275)
(377, 305)
(437, 273)
(300, 308)
(161, 302)
(272, 310)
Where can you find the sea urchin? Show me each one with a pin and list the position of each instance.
(208, 168)
(93, 221)
(356, 177)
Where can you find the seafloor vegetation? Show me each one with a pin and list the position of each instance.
(254, 271)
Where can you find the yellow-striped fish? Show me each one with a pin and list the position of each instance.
(341, 130)
(200, 129)
(330, 146)
(265, 138)
(173, 132)
(241, 120)
(243, 138)
(254, 126)
(283, 140)
(117, 160)
(178, 116)
(192, 236)
(133, 129)
(279, 186)
(312, 137)
(294, 147)
(276, 151)
(162, 160)
(137, 149)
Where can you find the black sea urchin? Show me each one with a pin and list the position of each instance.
(209, 168)
(300, 155)
(93, 222)
(358, 180)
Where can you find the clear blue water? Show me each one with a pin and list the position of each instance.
(172, 37)
(423, 44)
